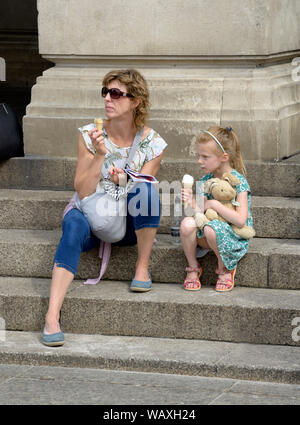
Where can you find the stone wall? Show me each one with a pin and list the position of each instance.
(207, 62)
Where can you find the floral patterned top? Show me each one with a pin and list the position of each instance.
(148, 148)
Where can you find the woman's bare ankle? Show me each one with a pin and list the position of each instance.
(52, 323)
(141, 273)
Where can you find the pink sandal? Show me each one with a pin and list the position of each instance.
(195, 282)
(228, 282)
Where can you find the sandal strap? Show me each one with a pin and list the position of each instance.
(228, 286)
(191, 281)
(224, 280)
(227, 279)
(228, 282)
(193, 269)
(187, 282)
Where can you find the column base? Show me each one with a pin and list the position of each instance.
(261, 103)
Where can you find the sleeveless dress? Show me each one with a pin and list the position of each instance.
(231, 246)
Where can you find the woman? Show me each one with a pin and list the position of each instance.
(126, 98)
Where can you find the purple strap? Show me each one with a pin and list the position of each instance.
(104, 249)
(104, 254)
(70, 205)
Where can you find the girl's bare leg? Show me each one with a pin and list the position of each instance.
(188, 235)
(211, 239)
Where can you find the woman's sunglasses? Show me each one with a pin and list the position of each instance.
(114, 93)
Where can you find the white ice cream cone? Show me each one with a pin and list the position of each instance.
(187, 183)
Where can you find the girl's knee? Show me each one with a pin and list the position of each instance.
(209, 233)
(188, 226)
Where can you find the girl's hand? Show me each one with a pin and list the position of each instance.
(188, 197)
(238, 216)
(118, 176)
(211, 203)
(98, 141)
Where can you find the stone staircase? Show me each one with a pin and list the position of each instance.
(251, 333)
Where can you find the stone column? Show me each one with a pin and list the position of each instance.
(19, 53)
(206, 62)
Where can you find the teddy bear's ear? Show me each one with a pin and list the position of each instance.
(231, 179)
(208, 185)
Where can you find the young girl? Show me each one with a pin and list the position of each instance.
(219, 152)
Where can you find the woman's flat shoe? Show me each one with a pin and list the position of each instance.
(53, 340)
(141, 286)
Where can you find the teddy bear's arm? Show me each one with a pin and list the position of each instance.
(236, 216)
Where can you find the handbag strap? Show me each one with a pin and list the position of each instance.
(134, 146)
(132, 151)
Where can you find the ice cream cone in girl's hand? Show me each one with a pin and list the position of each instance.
(187, 183)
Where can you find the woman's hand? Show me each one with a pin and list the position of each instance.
(118, 176)
(98, 141)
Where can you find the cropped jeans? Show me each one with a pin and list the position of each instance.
(76, 232)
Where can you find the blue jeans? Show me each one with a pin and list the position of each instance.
(77, 236)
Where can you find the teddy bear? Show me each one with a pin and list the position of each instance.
(223, 190)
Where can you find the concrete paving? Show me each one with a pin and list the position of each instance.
(45, 385)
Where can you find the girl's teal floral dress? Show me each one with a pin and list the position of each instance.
(231, 247)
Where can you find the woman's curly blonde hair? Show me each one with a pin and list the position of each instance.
(137, 86)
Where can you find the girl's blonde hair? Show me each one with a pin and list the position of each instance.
(137, 86)
(230, 142)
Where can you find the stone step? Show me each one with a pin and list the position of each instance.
(37, 172)
(250, 315)
(43, 209)
(269, 263)
(273, 217)
(272, 363)
(32, 209)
